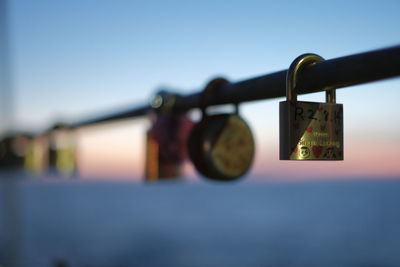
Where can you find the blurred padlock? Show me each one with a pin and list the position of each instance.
(13, 150)
(221, 146)
(36, 159)
(61, 151)
(309, 130)
(166, 140)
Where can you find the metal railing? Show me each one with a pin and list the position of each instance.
(333, 73)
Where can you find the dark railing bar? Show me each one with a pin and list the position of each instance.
(333, 73)
(130, 113)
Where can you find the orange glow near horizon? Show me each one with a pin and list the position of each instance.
(116, 151)
(361, 160)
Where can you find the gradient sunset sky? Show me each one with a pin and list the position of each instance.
(74, 58)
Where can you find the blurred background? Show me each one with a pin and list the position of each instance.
(64, 61)
(70, 60)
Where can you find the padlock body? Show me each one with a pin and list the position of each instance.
(221, 147)
(166, 146)
(310, 131)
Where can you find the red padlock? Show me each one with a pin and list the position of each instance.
(166, 144)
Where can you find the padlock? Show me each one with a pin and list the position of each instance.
(61, 154)
(221, 146)
(13, 149)
(166, 140)
(36, 159)
(309, 130)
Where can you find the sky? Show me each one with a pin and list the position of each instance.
(78, 58)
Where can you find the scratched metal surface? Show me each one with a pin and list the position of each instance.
(354, 223)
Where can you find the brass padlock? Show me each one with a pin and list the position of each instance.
(309, 130)
(221, 146)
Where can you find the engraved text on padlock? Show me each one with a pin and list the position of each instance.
(309, 130)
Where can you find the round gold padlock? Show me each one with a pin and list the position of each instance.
(221, 146)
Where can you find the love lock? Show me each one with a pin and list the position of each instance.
(309, 130)
(221, 146)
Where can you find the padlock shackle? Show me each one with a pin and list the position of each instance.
(297, 66)
(211, 86)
